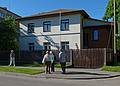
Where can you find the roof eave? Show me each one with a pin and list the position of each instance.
(82, 12)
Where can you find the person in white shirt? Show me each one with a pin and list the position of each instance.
(46, 60)
(12, 58)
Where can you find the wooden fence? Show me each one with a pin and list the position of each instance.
(85, 58)
(4, 57)
(91, 58)
(27, 57)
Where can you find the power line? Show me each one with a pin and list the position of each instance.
(9, 4)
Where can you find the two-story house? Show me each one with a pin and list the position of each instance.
(68, 29)
(4, 13)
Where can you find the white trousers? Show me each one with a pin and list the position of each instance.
(12, 60)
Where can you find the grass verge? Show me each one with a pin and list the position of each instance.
(111, 68)
(43, 65)
(59, 66)
(33, 65)
(21, 70)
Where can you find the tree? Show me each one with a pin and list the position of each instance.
(8, 34)
(109, 14)
(110, 10)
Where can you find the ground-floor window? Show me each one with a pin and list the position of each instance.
(47, 46)
(65, 45)
(31, 46)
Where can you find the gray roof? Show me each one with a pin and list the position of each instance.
(55, 12)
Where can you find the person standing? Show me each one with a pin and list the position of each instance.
(46, 60)
(62, 60)
(12, 58)
(52, 61)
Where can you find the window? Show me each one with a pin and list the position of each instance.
(95, 35)
(31, 46)
(31, 27)
(65, 25)
(65, 45)
(47, 46)
(2, 15)
(47, 26)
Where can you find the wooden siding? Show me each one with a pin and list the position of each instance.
(105, 37)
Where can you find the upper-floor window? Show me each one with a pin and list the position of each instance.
(2, 15)
(31, 27)
(47, 45)
(65, 45)
(95, 35)
(31, 46)
(65, 25)
(47, 26)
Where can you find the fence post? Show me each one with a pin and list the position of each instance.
(105, 51)
(71, 57)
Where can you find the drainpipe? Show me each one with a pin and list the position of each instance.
(81, 33)
(60, 27)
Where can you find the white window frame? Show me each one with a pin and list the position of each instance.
(47, 26)
(31, 27)
(65, 45)
(47, 45)
(64, 25)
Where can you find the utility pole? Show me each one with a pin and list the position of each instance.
(114, 29)
(115, 57)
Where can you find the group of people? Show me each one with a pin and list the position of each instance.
(49, 61)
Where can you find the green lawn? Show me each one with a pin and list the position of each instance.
(42, 65)
(21, 70)
(33, 65)
(111, 68)
(59, 66)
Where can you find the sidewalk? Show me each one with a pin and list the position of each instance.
(78, 73)
(72, 73)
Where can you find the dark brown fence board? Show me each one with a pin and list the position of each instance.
(90, 58)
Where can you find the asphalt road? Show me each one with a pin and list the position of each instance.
(28, 81)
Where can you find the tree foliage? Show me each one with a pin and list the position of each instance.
(110, 10)
(109, 14)
(8, 34)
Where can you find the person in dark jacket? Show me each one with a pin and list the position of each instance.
(62, 60)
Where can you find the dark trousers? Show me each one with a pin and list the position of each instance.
(52, 67)
(48, 64)
(63, 66)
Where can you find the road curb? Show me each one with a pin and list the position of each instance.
(57, 77)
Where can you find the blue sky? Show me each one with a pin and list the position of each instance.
(95, 8)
